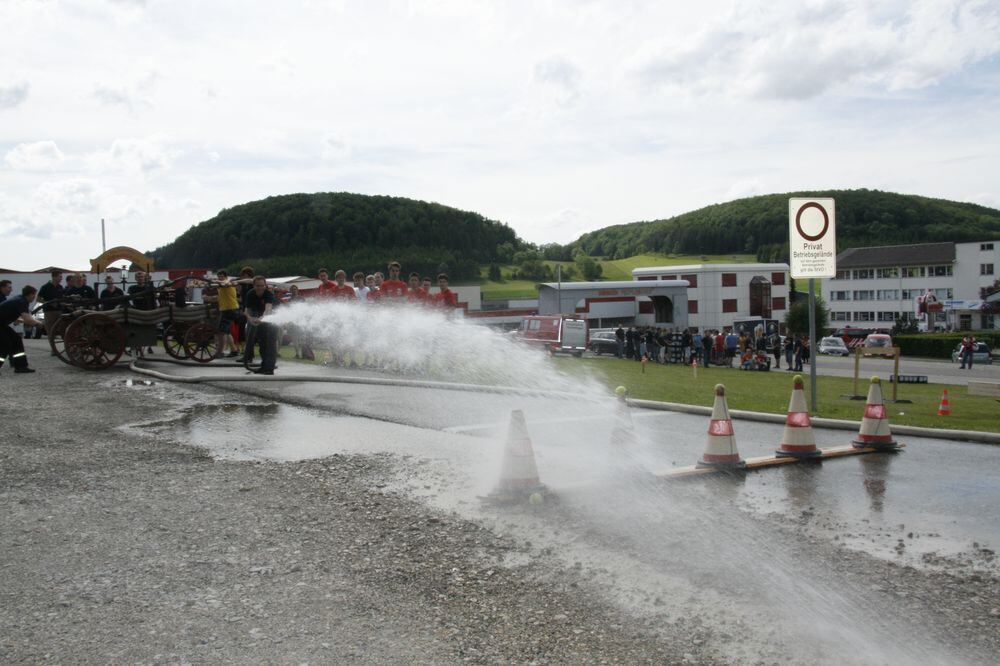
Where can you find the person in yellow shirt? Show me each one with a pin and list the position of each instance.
(229, 312)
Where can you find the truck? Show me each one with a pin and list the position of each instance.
(556, 334)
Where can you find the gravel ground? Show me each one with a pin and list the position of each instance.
(118, 547)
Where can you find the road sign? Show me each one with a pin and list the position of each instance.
(812, 238)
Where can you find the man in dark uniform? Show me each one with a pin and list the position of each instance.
(143, 297)
(84, 289)
(110, 292)
(51, 291)
(257, 304)
(11, 345)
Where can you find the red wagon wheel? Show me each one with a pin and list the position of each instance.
(200, 342)
(94, 342)
(56, 330)
(173, 340)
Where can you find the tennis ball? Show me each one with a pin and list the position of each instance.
(621, 390)
(535, 498)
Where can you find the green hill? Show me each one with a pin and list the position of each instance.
(299, 233)
(759, 225)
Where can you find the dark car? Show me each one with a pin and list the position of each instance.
(603, 342)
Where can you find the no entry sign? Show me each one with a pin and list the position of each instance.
(812, 238)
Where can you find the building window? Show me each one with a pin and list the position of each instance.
(729, 279)
(986, 321)
(669, 277)
(692, 280)
(778, 303)
(939, 271)
(884, 273)
(914, 271)
(864, 294)
(729, 305)
(864, 316)
(840, 295)
(910, 294)
(887, 295)
(647, 277)
(778, 279)
(760, 297)
(864, 274)
(985, 247)
(840, 316)
(692, 307)
(843, 275)
(943, 294)
(887, 316)
(986, 269)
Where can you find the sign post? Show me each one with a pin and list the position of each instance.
(812, 251)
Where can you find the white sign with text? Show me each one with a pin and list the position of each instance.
(812, 238)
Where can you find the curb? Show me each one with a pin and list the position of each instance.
(833, 424)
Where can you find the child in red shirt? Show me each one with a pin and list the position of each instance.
(341, 289)
(393, 289)
(445, 298)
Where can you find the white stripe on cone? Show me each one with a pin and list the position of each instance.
(798, 440)
(875, 432)
(519, 473)
(720, 445)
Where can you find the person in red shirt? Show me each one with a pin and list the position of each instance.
(416, 294)
(393, 289)
(445, 298)
(425, 287)
(325, 285)
(341, 289)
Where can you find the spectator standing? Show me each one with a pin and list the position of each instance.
(445, 298)
(629, 337)
(968, 348)
(340, 289)
(706, 347)
(84, 289)
(620, 337)
(393, 289)
(686, 342)
(789, 351)
(5, 288)
(360, 288)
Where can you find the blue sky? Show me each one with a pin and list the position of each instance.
(555, 117)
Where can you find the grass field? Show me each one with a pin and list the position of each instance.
(770, 391)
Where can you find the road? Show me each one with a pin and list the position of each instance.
(340, 522)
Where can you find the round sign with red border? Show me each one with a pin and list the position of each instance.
(798, 221)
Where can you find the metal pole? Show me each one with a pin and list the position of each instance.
(104, 244)
(559, 286)
(812, 343)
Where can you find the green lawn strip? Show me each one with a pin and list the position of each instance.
(770, 392)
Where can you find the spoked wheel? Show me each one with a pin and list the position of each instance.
(56, 333)
(200, 343)
(173, 341)
(94, 342)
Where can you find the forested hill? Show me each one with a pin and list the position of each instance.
(298, 233)
(760, 225)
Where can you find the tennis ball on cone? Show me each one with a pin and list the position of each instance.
(535, 499)
(620, 391)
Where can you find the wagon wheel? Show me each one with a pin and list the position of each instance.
(56, 333)
(200, 342)
(94, 342)
(173, 341)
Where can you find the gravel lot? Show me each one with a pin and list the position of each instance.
(121, 548)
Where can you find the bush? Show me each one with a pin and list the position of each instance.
(939, 345)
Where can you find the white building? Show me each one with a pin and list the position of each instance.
(657, 303)
(720, 293)
(875, 286)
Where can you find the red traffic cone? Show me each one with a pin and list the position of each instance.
(720, 447)
(798, 440)
(519, 474)
(944, 409)
(875, 432)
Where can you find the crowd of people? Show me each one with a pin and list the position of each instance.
(242, 304)
(711, 347)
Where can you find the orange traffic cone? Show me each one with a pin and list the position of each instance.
(694, 366)
(944, 409)
(798, 440)
(519, 474)
(875, 432)
(720, 448)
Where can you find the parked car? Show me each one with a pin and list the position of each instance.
(981, 354)
(603, 342)
(834, 346)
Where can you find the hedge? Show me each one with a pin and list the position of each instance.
(939, 345)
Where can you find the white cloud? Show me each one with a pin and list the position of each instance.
(13, 95)
(134, 156)
(36, 156)
(795, 52)
(559, 72)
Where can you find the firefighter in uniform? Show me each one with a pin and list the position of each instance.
(11, 345)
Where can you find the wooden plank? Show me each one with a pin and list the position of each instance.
(769, 461)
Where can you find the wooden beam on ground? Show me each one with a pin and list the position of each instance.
(769, 461)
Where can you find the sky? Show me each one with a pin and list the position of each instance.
(555, 117)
